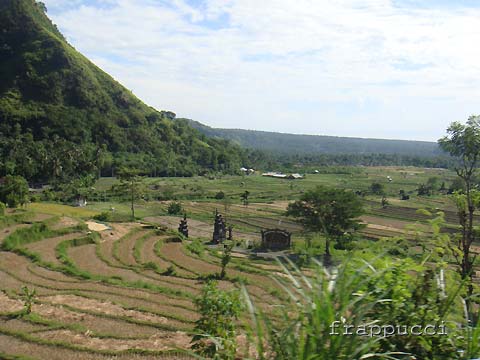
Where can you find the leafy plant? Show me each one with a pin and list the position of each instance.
(28, 295)
(170, 271)
(226, 257)
(174, 208)
(328, 309)
(196, 247)
(333, 212)
(103, 216)
(220, 195)
(215, 331)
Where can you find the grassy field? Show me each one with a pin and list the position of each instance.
(127, 292)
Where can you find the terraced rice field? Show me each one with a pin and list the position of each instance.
(108, 297)
(128, 292)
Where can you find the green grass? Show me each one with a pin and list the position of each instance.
(36, 232)
(64, 210)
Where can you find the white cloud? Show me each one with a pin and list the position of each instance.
(340, 67)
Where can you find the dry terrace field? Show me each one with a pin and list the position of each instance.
(127, 292)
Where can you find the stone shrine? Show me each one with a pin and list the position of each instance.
(219, 229)
(276, 239)
(183, 226)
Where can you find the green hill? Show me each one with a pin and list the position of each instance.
(281, 143)
(61, 116)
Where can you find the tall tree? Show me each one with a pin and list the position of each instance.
(14, 191)
(333, 212)
(132, 184)
(463, 142)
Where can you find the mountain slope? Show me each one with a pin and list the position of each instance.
(60, 115)
(311, 144)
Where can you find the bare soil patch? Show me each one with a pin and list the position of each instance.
(46, 247)
(7, 231)
(12, 345)
(158, 342)
(126, 247)
(65, 222)
(86, 258)
(94, 226)
(10, 261)
(103, 307)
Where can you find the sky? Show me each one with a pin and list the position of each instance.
(396, 69)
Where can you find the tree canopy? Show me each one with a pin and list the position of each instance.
(333, 212)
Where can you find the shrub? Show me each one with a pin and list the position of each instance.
(220, 195)
(196, 247)
(174, 208)
(104, 216)
(28, 296)
(14, 191)
(170, 271)
(215, 331)
(404, 293)
(151, 266)
(377, 188)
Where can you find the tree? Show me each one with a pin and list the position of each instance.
(433, 184)
(131, 183)
(331, 211)
(220, 195)
(41, 5)
(215, 335)
(226, 257)
(463, 142)
(377, 188)
(424, 190)
(244, 197)
(14, 191)
(174, 208)
(384, 201)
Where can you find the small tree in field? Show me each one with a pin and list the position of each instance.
(244, 197)
(377, 188)
(14, 191)
(28, 296)
(215, 335)
(226, 257)
(132, 184)
(330, 211)
(174, 208)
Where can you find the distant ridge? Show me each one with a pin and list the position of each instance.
(302, 144)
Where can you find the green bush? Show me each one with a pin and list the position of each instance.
(174, 208)
(14, 191)
(355, 294)
(170, 271)
(215, 331)
(196, 247)
(104, 216)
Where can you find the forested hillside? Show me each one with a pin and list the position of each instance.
(311, 144)
(62, 117)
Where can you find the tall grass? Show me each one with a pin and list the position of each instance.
(359, 296)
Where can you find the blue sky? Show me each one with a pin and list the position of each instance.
(399, 69)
